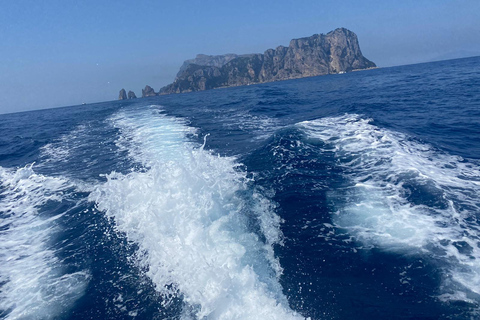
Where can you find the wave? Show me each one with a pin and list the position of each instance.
(404, 195)
(33, 280)
(204, 233)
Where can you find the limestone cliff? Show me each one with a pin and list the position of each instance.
(320, 54)
(211, 61)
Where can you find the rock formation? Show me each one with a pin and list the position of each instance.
(211, 61)
(122, 95)
(337, 51)
(148, 92)
(131, 95)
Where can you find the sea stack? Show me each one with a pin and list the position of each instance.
(335, 52)
(148, 92)
(122, 95)
(131, 95)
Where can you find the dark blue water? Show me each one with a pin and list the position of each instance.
(348, 196)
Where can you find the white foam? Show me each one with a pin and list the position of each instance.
(189, 211)
(62, 149)
(33, 284)
(402, 194)
(79, 150)
(261, 125)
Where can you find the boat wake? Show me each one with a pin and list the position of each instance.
(34, 281)
(405, 196)
(204, 233)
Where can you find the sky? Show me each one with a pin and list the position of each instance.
(61, 53)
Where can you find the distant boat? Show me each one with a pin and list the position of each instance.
(342, 72)
(84, 103)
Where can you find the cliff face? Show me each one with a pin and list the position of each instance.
(337, 51)
(210, 61)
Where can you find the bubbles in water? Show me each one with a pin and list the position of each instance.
(33, 281)
(401, 194)
(193, 216)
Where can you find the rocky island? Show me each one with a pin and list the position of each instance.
(335, 52)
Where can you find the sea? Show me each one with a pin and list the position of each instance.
(349, 196)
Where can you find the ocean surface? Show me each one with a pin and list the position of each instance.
(351, 196)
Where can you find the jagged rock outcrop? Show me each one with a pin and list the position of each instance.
(320, 54)
(210, 61)
(131, 95)
(148, 92)
(122, 95)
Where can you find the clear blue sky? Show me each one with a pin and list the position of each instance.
(59, 53)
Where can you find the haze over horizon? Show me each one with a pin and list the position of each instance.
(58, 54)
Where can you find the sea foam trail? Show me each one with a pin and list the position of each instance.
(62, 150)
(402, 194)
(192, 215)
(33, 284)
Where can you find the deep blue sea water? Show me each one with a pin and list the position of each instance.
(351, 196)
